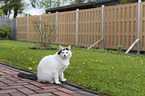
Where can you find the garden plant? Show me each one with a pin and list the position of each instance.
(46, 31)
(5, 31)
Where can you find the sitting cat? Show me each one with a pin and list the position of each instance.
(51, 67)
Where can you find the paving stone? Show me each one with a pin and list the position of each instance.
(7, 72)
(45, 94)
(5, 76)
(8, 81)
(37, 84)
(61, 94)
(10, 72)
(27, 91)
(69, 87)
(50, 87)
(65, 90)
(77, 94)
(32, 87)
(2, 84)
(7, 91)
(10, 87)
(14, 84)
(2, 78)
(45, 91)
(20, 81)
(4, 95)
(17, 94)
(13, 79)
(1, 73)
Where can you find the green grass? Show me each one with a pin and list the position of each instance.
(104, 71)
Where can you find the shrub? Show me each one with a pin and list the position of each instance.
(119, 48)
(47, 32)
(5, 31)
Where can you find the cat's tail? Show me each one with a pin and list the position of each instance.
(30, 76)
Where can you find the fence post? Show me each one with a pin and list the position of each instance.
(12, 28)
(56, 25)
(16, 28)
(103, 26)
(138, 45)
(27, 29)
(77, 15)
(40, 30)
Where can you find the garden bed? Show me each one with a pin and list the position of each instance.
(43, 47)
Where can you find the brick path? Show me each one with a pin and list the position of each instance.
(11, 85)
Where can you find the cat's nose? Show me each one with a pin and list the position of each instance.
(64, 55)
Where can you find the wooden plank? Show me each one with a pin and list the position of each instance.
(137, 40)
(95, 43)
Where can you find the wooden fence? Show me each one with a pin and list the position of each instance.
(120, 24)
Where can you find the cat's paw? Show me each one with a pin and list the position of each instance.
(63, 79)
(57, 82)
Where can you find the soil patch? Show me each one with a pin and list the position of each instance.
(42, 47)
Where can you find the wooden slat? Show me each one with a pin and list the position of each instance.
(136, 41)
(95, 44)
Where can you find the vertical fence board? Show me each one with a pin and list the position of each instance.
(67, 28)
(142, 27)
(22, 28)
(33, 35)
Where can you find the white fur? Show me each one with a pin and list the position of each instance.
(51, 67)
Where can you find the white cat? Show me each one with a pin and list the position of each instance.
(52, 67)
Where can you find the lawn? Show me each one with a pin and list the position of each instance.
(104, 71)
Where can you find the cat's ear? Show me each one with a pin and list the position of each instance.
(69, 47)
(60, 47)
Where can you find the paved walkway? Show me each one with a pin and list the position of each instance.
(11, 85)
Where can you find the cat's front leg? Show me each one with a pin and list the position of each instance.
(62, 77)
(56, 78)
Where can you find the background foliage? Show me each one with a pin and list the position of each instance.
(9, 5)
(5, 31)
(1, 12)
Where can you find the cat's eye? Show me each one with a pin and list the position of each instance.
(62, 52)
(66, 52)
